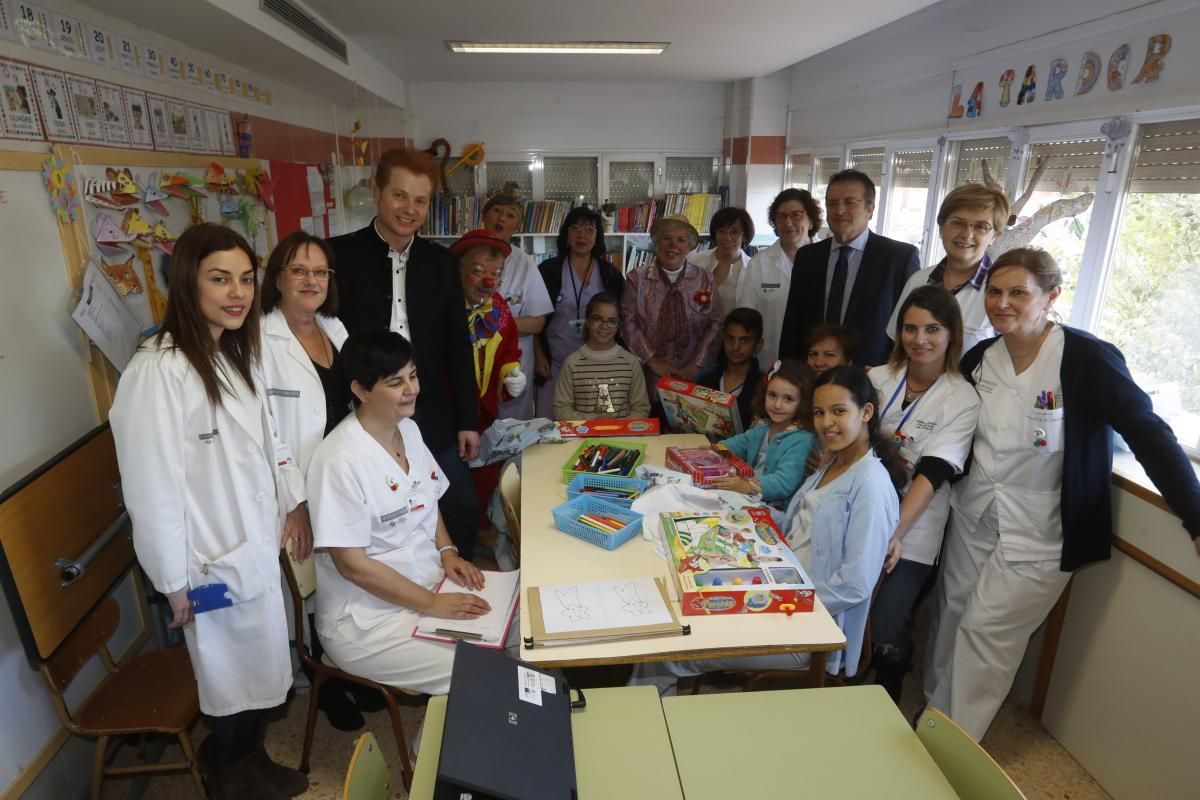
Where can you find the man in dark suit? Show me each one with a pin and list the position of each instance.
(853, 278)
(388, 277)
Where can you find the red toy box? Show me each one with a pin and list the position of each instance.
(734, 561)
(706, 463)
(697, 409)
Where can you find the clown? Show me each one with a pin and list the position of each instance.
(493, 333)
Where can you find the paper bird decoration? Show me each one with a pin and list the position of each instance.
(117, 190)
(133, 224)
(266, 190)
(61, 185)
(123, 277)
(229, 207)
(109, 236)
(163, 239)
(218, 180)
(153, 196)
(180, 185)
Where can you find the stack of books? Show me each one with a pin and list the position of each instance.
(545, 216)
(453, 215)
(698, 208)
(637, 219)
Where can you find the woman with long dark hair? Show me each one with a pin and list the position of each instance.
(200, 466)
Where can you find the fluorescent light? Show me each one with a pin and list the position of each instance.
(560, 48)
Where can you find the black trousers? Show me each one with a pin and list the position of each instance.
(458, 505)
(233, 737)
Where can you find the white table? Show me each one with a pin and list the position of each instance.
(550, 557)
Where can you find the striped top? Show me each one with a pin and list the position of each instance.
(594, 383)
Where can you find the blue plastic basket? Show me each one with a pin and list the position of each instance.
(564, 520)
(584, 480)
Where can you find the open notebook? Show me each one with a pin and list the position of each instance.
(500, 590)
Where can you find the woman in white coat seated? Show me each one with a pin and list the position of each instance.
(208, 484)
(382, 546)
(838, 524)
(1037, 500)
(764, 286)
(731, 229)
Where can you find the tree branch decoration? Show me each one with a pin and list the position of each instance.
(1021, 231)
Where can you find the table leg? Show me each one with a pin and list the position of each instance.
(816, 670)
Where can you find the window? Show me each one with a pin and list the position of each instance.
(691, 175)
(799, 171)
(1149, 307)
(868, 160)
(1064, 175)
(967, 158)
(630, 182)
(571, 178)
(909, 195)
(503, 173)
(827, 167)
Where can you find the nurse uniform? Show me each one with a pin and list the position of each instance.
(206, 490)
(522, 287)
(1001, 570)
(764, 286)
(359, 497)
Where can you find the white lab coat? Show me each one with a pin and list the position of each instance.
(976, 325)
(293, 388)
(941, 425)
(207, 489)
(764, 286)
(727, 291)
(525, 292)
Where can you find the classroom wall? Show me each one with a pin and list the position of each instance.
(897, 81)
(569, 116)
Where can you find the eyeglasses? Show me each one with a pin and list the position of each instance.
(607, 322)
(795, 216)
(582, 228)
(960, 225)
(300, 273)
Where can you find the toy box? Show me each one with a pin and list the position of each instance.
(579, 429)
(706, 463)
(697, 409)
(734, 561)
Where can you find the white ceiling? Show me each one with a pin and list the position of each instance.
(711, 40)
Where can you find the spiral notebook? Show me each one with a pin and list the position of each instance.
(601, 611)
(500, 590)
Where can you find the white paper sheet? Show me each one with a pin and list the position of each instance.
(499, 590)
(602, 605)
(106, 319)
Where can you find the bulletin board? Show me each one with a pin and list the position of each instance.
(294, 202)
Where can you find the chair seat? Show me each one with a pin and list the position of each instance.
(124, 703)
(329, 662)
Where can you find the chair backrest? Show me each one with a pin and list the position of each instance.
(305, 572)
(368, 776)
(510, 500)
(971, 772)
(288, 567)
(88, 638)
(864, 659)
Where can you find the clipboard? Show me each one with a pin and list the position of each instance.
(542, 639)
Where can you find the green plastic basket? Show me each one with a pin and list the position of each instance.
(569, 472)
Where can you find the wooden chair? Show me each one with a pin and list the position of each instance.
(971, 772)
(368, 777)
(324, 669)
(756, 680)
(153, 693)
(510, 500)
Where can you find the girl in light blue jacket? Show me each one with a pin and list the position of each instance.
(778, 444)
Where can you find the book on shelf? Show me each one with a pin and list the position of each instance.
(545, 216)
(698, 208)
(452, 215)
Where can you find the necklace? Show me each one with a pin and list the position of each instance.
(911, 394)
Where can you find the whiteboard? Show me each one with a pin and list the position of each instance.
(45, 396)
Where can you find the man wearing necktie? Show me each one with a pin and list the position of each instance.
(853, 278)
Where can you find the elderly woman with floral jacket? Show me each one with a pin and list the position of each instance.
(671, 314)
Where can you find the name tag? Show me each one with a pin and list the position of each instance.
(766, 287)
(283, 393)
(394, 515)
(208, 438)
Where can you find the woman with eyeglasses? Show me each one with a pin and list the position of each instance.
(579, 272)
(969, 220)
(765, 284)
(305, 389)
(731, 229)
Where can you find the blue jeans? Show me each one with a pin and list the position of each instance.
(891, 616)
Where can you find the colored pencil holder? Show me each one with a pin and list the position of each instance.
(586, 480)
(565, 519)
(637, 453)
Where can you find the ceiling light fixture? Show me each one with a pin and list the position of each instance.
(561, 48)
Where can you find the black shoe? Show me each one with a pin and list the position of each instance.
(889, 673)
(368, 700)
(284, 780)
(237, 780)
(339, 709)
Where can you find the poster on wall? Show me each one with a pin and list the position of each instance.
(191, 73)
(101, 48)
(33, 26)
(212, 130)
(18, 109)
(174, 68)
(179, 123)
(160, 124)
(85, 108)
(228, 145)
(50, 88)
(129, 54)
(112, 113)
(7, 30)
(197, 139)
(210, 81)
(137, 117)
(152, 62)
(69, 36)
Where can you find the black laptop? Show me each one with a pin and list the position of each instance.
(507, 733)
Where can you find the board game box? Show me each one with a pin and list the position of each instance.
(697, 409)
(734, 561)
(636, 426)
(706, 463)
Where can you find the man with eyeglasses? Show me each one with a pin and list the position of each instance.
(853, 278)
(969, 220)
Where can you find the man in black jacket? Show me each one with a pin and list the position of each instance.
(853, 278)
(388, 277)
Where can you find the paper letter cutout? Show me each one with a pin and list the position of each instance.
(1089, 72)
(1117, 64)
(1029, 87)
(975, 102)
(1006, 85)
(956, 106)
(1156, 50)
(1058, 70)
